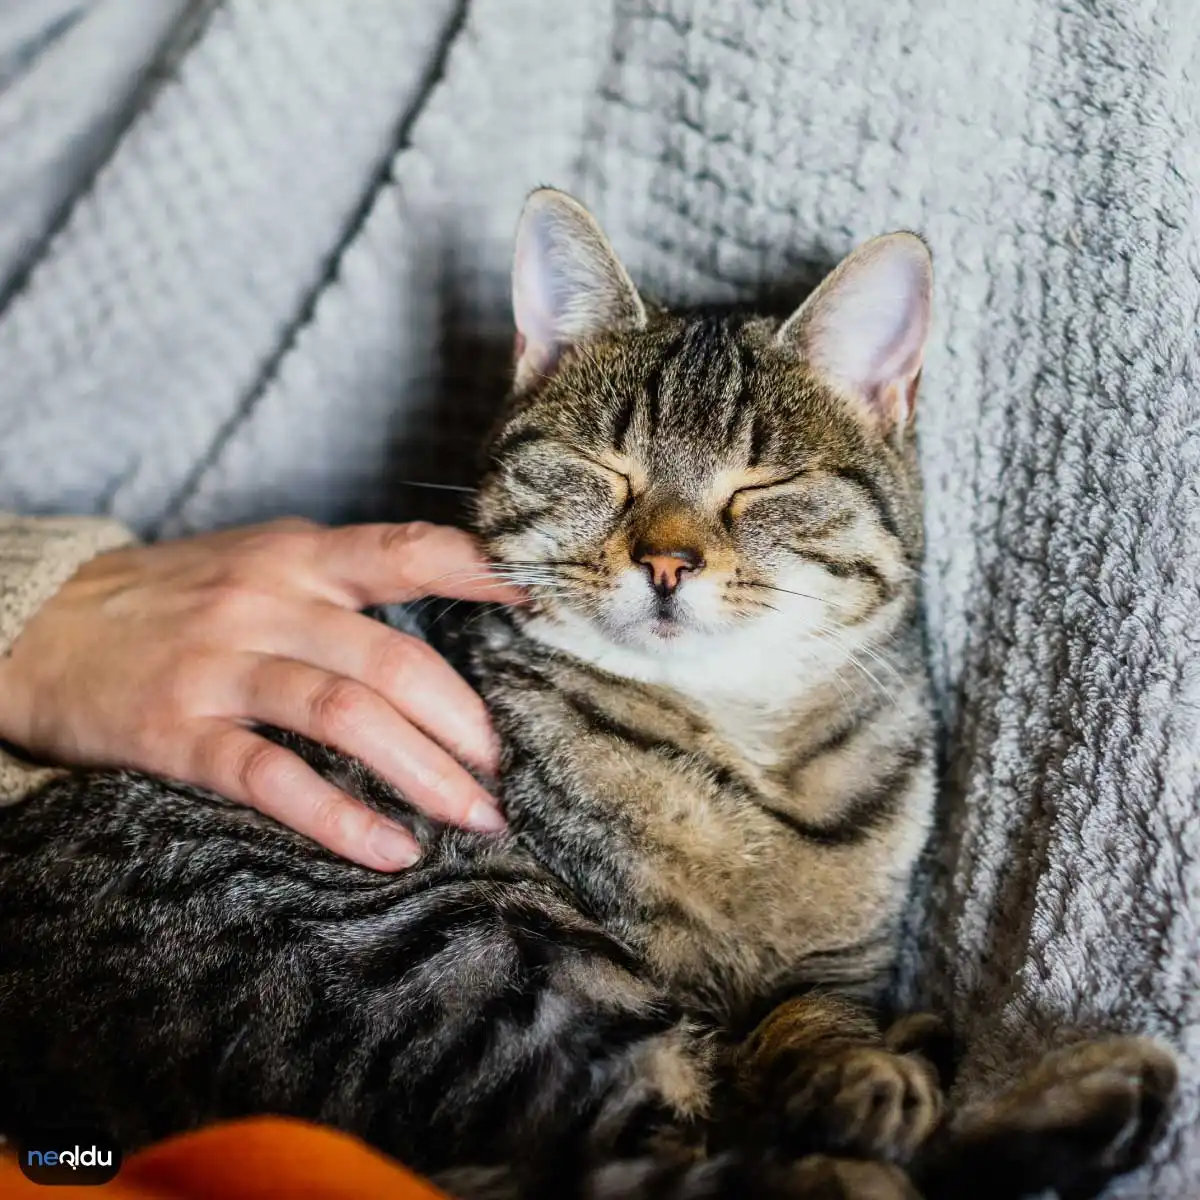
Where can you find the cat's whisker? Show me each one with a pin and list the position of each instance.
(479, 582)
(435, 487)
(845, 695)
(869, 674)
(890, 667)
(450, 607)
(840, 639)
(548, 562)
(823, 634)
(459, 574)
(792, 592)
(526, 570)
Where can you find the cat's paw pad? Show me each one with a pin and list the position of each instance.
(867, 1101)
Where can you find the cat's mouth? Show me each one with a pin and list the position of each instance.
(665, 623)
(656, 619)
(665, 628)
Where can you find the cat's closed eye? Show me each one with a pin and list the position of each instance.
(620, 473)
(750, 493)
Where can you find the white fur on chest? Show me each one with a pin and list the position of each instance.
(748, 681)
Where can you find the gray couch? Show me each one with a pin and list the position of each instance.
(253, 260)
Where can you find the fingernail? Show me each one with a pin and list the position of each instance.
(392, 846)
(485, 818)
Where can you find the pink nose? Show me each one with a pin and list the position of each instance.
(666, 567)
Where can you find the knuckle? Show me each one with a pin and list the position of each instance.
(396, 659)
(445, 787)
(213, 759)
(340, 706)
(399, 539)
(162, 730)
(274, 544)
(257, 767)
(289, 545)
(449, 792)
(327, 820)
(226, 606)
(179, 690)
(157, 750)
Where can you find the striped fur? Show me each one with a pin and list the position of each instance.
(658, 983)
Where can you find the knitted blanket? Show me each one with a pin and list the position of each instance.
(281, 285)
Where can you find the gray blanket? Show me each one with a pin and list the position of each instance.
(278, 282)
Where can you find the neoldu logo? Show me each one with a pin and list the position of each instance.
(68, 1156)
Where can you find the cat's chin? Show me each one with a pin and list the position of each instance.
(664, 630)
(656, 634)
(605, 641)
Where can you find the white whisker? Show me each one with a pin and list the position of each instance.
(435, 487)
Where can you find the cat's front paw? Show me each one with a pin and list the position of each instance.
(864, 1100)
(823, 1080)
(1081, 1116)
(1108, 1099)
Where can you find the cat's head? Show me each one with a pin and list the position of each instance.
(662, 480)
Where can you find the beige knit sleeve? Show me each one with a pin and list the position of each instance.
(37, 556)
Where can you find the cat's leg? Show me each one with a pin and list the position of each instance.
(821, 1075)
(734, 1177)
(648, 1141)
(653, 1147)
(728, 1177)
(1081, 1116)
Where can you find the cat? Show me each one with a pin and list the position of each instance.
(718, 770)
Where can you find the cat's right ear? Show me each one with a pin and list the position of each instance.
(568, 285)
(865, 328)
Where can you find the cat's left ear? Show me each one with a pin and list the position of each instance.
(864, 329)
(568, 284)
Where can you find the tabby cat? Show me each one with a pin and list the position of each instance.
(718, 772)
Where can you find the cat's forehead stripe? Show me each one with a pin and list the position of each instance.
(700, 386)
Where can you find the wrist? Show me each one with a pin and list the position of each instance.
(11, 705)
(39, 555)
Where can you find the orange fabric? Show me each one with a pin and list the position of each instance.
(263, 1158)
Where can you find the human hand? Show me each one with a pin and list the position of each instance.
(160, 658)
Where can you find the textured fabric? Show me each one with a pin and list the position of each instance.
(52, 137)
(36, 558)
(286, 291)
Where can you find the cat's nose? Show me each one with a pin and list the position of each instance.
(666, 567)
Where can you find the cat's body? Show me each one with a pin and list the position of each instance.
(718, 773)
(748, 845)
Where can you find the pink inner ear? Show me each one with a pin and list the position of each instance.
(895, 401)
(532, 361)
(865, 327)
(910, 396)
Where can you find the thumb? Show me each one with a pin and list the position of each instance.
(387, 564)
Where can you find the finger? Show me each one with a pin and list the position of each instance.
(250, 770)
(356, 720)
(411, 676)
(387, 564)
